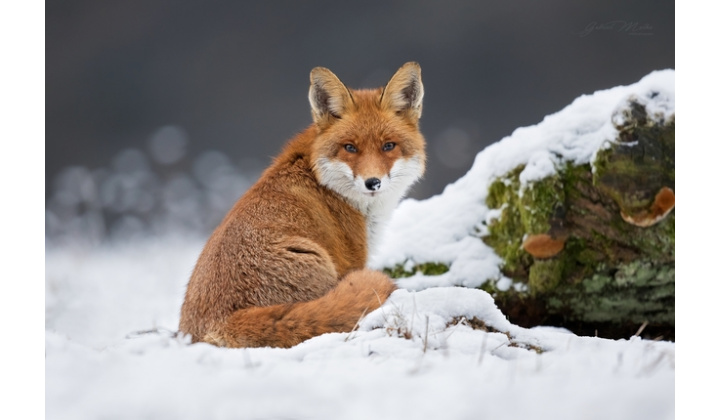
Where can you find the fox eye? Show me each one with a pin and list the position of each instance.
(350, 148)
(388, 146)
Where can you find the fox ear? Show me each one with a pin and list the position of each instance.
(328, 95)
(404, 92)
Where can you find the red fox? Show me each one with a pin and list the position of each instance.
(287, 262)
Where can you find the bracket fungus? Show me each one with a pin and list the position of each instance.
(662, 206)
(543, 245)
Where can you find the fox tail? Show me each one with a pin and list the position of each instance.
(286, 325)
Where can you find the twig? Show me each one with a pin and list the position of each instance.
(357, 324)
(156, 330)
(482, 349)
(412, 318)
(640, 330)
(427, 326)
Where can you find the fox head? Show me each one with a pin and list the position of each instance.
(369, 148)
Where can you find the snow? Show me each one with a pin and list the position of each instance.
(111, 313)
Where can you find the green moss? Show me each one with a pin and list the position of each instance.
(638, 164)
(398, 272)
(490, 287)
(537, 208)
(542, 204)
(432, 269)
(657, 242)
(595, 284)
(503, 237)
(545, 275)
(588, 257)
(504, 190)
(637, 291)
(428, 269)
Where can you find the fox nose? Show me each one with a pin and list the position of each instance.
(372, 184)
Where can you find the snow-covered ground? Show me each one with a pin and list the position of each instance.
(111, 353)
(432, 351)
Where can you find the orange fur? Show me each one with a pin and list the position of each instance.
(287, 262)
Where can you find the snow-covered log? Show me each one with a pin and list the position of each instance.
(577, 213)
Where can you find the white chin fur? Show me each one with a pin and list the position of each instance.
(378, 205)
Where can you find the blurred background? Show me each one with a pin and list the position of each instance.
(159, 114)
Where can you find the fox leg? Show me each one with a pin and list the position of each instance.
(286, 325)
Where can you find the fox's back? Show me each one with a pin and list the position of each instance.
(287, 201)
(285, 216)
